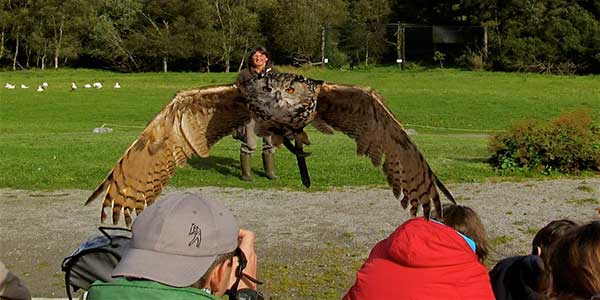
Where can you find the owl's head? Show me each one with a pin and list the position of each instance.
(283, 88)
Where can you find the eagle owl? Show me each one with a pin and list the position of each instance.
(282, 104)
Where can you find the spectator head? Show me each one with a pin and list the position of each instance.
(252, 61)
(466, 221)
(574, 263)
(550, 233)
(183, 240)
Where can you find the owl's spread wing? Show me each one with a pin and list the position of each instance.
(361, 114)
(190, 124)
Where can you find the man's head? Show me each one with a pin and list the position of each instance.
(177, 240)
(549, 234)
(259, 58)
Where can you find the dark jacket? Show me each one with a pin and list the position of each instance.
(247, 74)
(517, 278)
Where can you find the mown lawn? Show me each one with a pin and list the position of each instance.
(46, 139)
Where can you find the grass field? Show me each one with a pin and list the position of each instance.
(46, 139)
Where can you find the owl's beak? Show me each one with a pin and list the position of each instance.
(278, 97)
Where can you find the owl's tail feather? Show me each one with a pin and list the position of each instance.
(443, 188)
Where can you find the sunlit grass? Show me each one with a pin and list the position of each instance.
(46, 139)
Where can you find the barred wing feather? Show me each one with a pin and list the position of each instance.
(361, 114)
(189, 125)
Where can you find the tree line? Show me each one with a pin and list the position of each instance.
(548, 36)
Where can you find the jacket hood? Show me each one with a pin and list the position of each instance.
(423, 243)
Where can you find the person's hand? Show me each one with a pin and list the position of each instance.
(246, 240)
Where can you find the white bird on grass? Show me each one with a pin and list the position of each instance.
(44, 85)
(98, 85)
(117, 85)
(9, 86)
(73, 86)
(24, 86)
(40, 88)
(87, 86)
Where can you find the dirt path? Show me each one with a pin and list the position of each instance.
(309, 244)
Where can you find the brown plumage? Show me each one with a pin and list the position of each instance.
(282, 105)
(190, 124)
(361, 114)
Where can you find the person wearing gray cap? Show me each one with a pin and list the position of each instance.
(184, 247)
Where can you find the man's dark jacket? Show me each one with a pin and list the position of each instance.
(517, 278)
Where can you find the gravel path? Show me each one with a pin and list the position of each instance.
(309, 244)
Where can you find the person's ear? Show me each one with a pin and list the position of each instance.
(220, 278)
(539, 251)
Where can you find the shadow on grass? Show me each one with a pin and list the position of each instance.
(482, 160)
(224, 165)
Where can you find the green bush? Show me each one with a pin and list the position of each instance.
(569, 143)
(471, 61)
(337, 59)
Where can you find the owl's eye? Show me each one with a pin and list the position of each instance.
(290, 90)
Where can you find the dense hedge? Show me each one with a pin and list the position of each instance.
(569, 143)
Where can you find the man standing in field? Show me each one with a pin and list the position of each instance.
(258, 63)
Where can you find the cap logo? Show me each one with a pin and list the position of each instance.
(197, 233)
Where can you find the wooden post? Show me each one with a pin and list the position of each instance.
(403, 31)
(485, 43)
(399, 45)
(323, 46)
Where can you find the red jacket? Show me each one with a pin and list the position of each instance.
(422, 260)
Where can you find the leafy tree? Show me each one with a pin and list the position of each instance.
(364, 33)
(5, 22)
(114, 22)
(298, 26)
(159, 35)
(545, 36)
(236, 26)
(20, 25)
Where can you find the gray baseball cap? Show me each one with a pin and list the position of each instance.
(176, 239)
